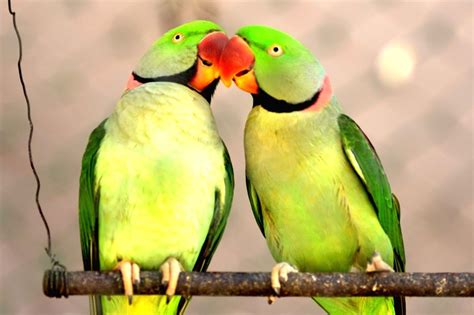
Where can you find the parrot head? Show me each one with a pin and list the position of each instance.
(188, 54)
(275, 68)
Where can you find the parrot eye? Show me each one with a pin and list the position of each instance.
(275, 50)
(178, 37)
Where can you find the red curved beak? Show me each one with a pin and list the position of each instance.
(211, 47)
(236, 64)
(209, 55)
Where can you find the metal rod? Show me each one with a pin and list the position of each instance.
(58, 283)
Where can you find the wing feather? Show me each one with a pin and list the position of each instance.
(89, 196)
(223, 201)
(363, 158)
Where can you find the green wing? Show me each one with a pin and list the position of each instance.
(363, 158)
(223, 201)
(222, 205)
(88, 208)
(256, 205)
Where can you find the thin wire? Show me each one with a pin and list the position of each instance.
(54, 261)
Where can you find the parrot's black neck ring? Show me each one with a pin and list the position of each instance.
(279, 106)
(182, 78)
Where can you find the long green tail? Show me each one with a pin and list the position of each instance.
(357, 306)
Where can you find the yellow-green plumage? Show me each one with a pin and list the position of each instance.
(160, 139)
(316, 186)
(316, 213)
(324, 209)
(156, 178)
(158, 167)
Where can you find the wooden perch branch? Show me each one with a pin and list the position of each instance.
(60, 283)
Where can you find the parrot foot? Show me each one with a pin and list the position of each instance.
(376, 264)
(130, 276)
(170, 270)
(279, 274)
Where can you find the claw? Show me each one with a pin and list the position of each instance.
(165, 271)
(279, 274)
(376, 263)
(135, 274)
(130, 275)
(170, 270)
(272, 299)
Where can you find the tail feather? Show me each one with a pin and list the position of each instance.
(149, 304)
(95, 305)
(400, 305)
(357, 306)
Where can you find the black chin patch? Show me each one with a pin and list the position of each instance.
(182, 78)
(209, 90)
(279, 106)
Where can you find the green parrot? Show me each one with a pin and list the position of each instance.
(157, 182)
(316, 186)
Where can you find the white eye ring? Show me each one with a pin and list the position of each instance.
(275, 50)
(178, 37)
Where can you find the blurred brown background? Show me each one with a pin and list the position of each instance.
(403, 70)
